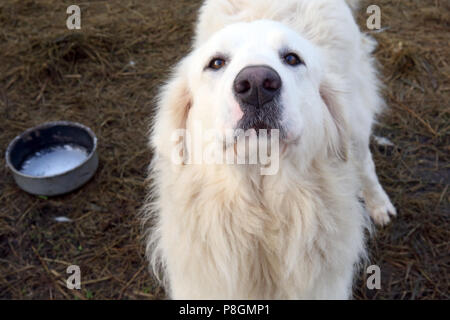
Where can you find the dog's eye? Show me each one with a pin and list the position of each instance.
(292, 59)
(216, 63)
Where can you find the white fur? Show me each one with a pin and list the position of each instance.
(225, 231)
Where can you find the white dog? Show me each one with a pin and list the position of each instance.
(225, 231)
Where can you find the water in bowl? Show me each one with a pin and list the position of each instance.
(54, 160)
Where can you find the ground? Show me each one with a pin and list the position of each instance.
(106, 76)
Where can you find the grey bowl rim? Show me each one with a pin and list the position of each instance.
(48, 125)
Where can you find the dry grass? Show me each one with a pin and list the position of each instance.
(50, 73)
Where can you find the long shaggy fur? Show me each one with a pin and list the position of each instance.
(225, 231)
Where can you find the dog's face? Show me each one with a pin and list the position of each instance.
(258, 75)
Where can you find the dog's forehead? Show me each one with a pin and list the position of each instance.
(257, 33)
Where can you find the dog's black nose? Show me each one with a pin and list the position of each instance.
(257, 85)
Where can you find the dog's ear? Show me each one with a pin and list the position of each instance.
(173, 104)
(334, 95)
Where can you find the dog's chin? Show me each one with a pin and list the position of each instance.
(259, 127)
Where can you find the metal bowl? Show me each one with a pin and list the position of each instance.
(53, 158)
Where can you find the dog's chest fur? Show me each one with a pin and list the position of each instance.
(236, 234)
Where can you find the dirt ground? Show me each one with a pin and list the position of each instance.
(106, 76)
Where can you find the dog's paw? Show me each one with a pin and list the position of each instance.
(381, 213)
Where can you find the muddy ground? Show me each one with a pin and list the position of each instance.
(106, 76)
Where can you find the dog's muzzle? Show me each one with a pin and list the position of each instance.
(257, 90)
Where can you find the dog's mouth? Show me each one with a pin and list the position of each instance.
(262, 126)
(260, 129)
(258, 126)
(266, 120)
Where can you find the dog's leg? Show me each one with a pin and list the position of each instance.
(376, 199)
